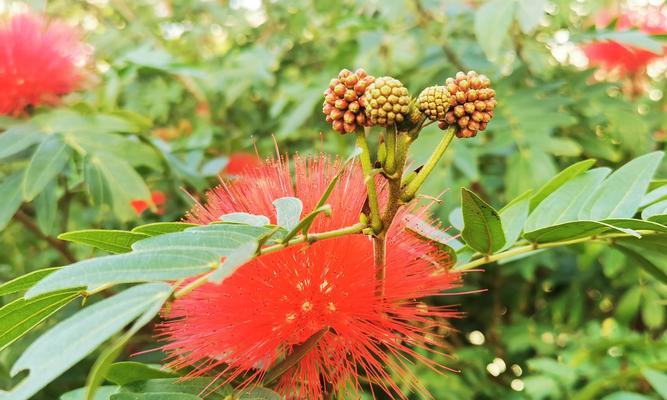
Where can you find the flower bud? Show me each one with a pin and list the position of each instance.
(434, 102)
(386, 102)
(472, 102)
(343, 101)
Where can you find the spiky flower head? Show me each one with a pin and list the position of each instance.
(434, 102)
(387, 101)
(40, 60)
(472, 103)
(343, 100)
(273, 304)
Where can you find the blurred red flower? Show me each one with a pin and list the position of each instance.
(241, 162)
(40, 60)
(157, 197)
(277, 301)
(622, 57)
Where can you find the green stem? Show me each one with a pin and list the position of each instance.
(414, 185)
(314, 237)
(539, 246)
(367, 167)
(310, 238)
(390, 162)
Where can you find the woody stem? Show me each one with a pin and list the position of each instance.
(389, 164)
(394, 202)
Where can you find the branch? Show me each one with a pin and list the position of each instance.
(541, 246)
(58, 245)
(310, 238)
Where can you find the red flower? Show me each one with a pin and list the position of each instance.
(157, 198)
(624, 58)
(39, 61)
(274, 303)
(241, 162)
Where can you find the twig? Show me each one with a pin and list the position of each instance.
(58, 245)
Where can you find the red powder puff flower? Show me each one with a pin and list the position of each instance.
(40, 60)
(158, 199)
(623, 58)
(241, 162)
(257, 316)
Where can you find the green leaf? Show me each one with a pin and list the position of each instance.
(154, 396)
(565, 203)
(655, 209)
(660, 219)
(653, 313)
(77, 336)
(11, 197)
(628, 305)
(288, 212)
(513, 217)
(18, 138)
(643, 262)
(530, 13)
(259, 393)
(103, 363)
(21, 316)
(625, 396)
(160, 228)
(633, 38)
(191, 386)
(483, 230)
(97, 185)
(655, 195)
(219, 238)
(141, 266)
(433, 233)
(557, 181)
(26, 281)
(492, 22)
(636, 224)
(573, 230)
(658, 381)
(124, 372)
(124, 183)
(113, 241)
(103, 393)
(620, 195)
(245, 218)
(46, 208)
(48, 160)
(307, 221)
(239, 256)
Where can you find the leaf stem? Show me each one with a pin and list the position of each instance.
(486, 259)
(367, 167)
(414, 185)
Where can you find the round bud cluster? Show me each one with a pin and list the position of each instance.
(434, 102)
(472, 103)
(387, 101)
(344, 100)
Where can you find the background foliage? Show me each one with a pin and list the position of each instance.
(179, 86)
